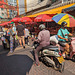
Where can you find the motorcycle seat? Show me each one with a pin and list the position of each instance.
(51, 47)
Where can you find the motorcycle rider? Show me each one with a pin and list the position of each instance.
(43, 40)
(63, 34)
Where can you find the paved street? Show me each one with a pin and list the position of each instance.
(20, 62)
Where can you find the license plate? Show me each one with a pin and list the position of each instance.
(60, 59)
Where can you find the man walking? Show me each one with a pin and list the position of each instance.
(21, 32)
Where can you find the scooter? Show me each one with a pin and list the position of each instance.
(51, 56)
(72, 49)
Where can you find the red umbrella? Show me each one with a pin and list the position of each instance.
(6, 23)
(31, 23)
(1, 24)
(27, 19)
(3, 3)
(16, 19)
(44, 18)
(27, 22)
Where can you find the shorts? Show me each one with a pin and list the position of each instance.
(62, 43)
(20, 37)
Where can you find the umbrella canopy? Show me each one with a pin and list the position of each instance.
(27, 19)
(27, 22)
(3, 3)
(59, 18)
(16, 19)
(6, 23)
(44, 18)
(31, 23)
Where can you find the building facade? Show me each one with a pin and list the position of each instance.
(32, 6)
(9, 9)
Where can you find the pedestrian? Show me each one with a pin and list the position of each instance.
(20, 33)
(26, 35)
(10, 37)
(43, 40)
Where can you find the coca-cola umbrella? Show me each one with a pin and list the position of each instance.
(27, 22)
(44, 18)
(31, 23)
(16, 19)
(27, 19)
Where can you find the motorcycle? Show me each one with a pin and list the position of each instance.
(71, 54)
(51, 56)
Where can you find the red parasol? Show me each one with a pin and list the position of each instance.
(3, 3)
(6, 23)
(16, 19)
(27, 19)
(44, 18)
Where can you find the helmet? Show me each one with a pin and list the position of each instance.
(63, 24)
(42, 26)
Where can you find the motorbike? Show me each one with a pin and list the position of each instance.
(51, 56)
(71, 54)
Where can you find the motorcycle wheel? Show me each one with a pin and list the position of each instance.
(62, 67)
(58, 66)
(73, 58)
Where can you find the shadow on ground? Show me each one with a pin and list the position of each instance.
(15, 64)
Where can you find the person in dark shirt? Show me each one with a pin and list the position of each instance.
(20, 32)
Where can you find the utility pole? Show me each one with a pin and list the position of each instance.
(17, 7)
(25, 6)
(7, 9)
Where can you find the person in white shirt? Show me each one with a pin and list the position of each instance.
(26, 36)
